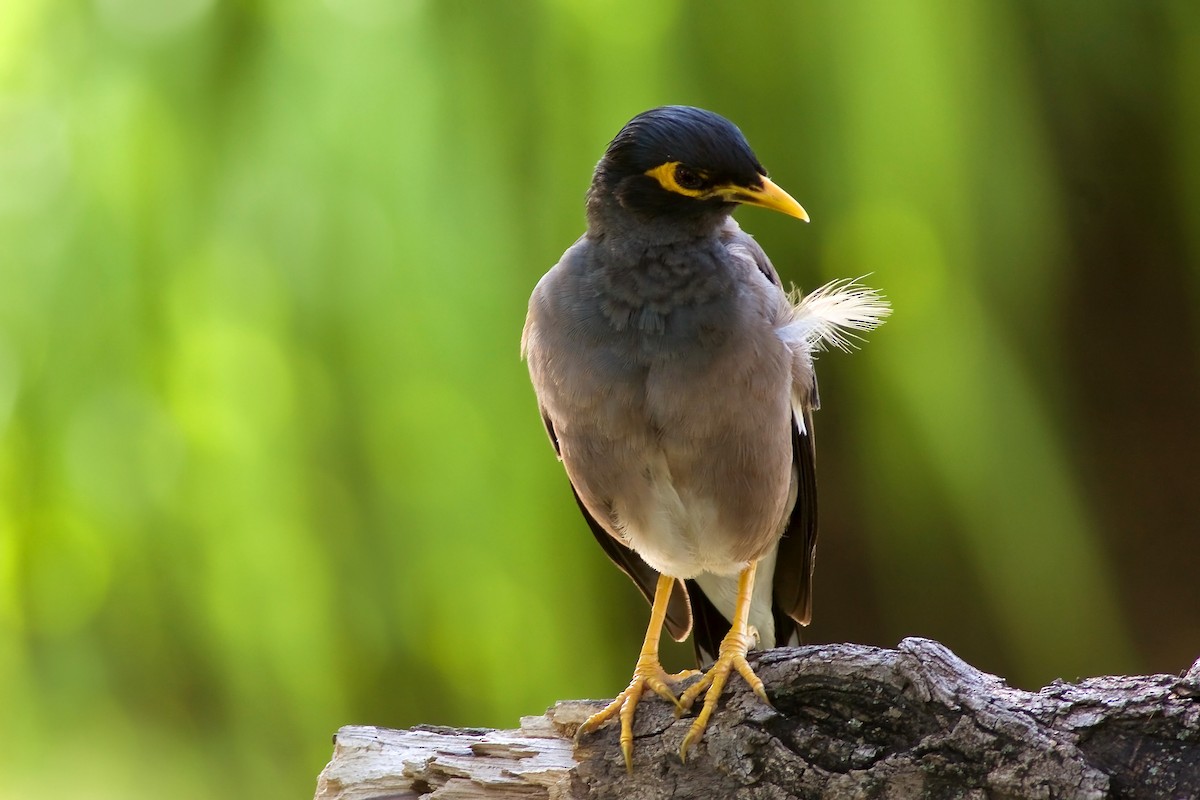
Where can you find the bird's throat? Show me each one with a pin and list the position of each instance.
(645, 284)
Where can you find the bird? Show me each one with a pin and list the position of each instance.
(674, 376)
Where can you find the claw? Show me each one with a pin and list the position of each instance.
(731, 656)
(648, 673)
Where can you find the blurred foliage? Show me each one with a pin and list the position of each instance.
(269, 463)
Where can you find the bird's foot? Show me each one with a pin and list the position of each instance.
(647, 674)
(732, 657)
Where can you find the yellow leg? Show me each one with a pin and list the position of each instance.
(647, 673)
(731, 656)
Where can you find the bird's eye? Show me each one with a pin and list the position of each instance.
(687, 179)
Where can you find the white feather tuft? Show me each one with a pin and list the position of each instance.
(833, 314)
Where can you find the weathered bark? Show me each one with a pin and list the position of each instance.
(848, 722)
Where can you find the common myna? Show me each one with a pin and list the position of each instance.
(675, 377)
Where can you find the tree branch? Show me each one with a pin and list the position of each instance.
(849, 722)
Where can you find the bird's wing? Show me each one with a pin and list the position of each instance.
(645, 577)
(741, 243)
(798, 546)
(830, 316)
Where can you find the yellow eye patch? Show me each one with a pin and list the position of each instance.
(673, 175)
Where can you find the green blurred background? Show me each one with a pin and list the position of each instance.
(269, 462)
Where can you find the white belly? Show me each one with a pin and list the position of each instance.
(679, 533)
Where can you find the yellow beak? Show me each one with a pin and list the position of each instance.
(769, 195)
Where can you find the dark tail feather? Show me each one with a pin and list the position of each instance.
(709, 626)
(787, 630)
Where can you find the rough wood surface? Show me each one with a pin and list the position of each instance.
(849, 722)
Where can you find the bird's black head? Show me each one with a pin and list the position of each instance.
(677, 164)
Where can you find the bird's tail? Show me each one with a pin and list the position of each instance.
(834, 314)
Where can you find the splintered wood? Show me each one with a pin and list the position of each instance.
(848, 721)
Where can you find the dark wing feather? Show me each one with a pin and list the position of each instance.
(797, 548)
(645, 577)
(709, 626)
